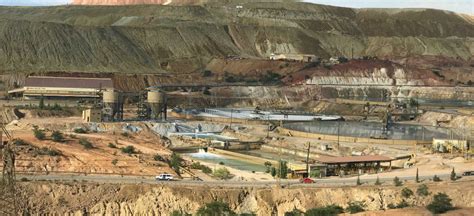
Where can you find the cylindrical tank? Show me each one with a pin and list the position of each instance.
(157, 103)
(111, 104)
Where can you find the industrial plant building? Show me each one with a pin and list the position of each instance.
(62, 87)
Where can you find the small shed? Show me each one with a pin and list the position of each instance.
(92, 115)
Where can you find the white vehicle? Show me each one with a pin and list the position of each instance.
(164, 177)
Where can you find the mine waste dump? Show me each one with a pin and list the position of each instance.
(374, 130)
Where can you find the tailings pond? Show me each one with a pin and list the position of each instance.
(372, 129)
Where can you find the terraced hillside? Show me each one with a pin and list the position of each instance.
(182, 39)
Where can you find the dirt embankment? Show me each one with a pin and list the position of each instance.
(111, 199)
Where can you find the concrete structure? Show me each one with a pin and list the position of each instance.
(92, 115)
(112, 106)
(62, 87)
(444, 145)
(352, 165)
(295, 57)
(157, 102)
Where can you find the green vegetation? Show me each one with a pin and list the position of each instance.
(47, 151)
(453, 176)
(207, 73)
(125, 134)
(57, 136)
(176, 162)
(203, 168)
(80, 130)
(402, 204)
(273, 172)
(158, 157)
(114, 162)
(377, 182)
(355, 207)
(20, 142)
(407, 193)
(129, 150)
(294, 212)
(397, 182)
(330, 210)
(268, 166)
(87, 145)
(282, 171)
(216, 208)
(41, 102)
(417, 178)
(111, 145)
(436, 178)
(39, 134)
(222, 173)
(358, 180)
(422, 190)
(179, 213)
(441, 203)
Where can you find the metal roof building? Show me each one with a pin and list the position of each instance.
(78, 87)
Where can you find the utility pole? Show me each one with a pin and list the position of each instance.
(231, 118)
(307, 160)
(338, 128)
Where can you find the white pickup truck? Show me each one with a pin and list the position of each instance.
(164, 177)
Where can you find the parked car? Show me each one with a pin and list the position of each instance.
(468, 173)
(164, 177)
(307, 181)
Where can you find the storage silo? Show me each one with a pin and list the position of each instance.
(111, 105)
(157, 103)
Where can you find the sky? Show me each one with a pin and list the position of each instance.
(460, 6)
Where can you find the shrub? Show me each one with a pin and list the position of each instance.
(207, 73)
(57, 136)
(111, 145)
(436, 178)
(355, 207)
(273, 172)
(80, 130)
(268, 166)
(128, 150)
(158, 157)
(176, 162)
(179, 213)
(215, 208)
(402, 204)
(222, 173)
(407, 193)
(441, 203)
(397, 182)
(20, 142)
(422, 190)
(358, 180)
(295, 212)
(329, 210)
(377, 182)
(125, 134)
(84, 142)
(39, 134)
(203, 168)
(453, 176)
(221, 163)
(114, 162)
(47, 151)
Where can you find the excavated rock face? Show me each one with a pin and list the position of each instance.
(111, 199)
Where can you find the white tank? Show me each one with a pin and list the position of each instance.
(110, 97)
(156, 97)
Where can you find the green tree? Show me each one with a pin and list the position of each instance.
(222, 173)
(441, 203)
(57, 136)
(417, 178)
(407, 193)
(355, 207)
(129, 150)
(179, 213)
(216, 208)
(436, 178)
(377, 182)
(268, 166)
(41, 102)
(39, 134)
(453, 175)
(422, 190)
(283, 170)
(397, 182)
(358, 180)
(176, 162)
(273, 172)
(330, 210)
(294, 212)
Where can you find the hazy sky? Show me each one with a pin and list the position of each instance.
(461, 6)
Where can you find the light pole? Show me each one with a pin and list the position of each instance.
(231, 118)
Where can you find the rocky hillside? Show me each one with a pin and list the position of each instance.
(163, 38)
(110, 199)
(132, 2)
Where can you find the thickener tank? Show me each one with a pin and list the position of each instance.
(157, 102)
(111, 105)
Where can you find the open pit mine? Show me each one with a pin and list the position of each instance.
(235, 108)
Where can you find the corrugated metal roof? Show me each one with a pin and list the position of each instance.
(68, 82)
(354, 159)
